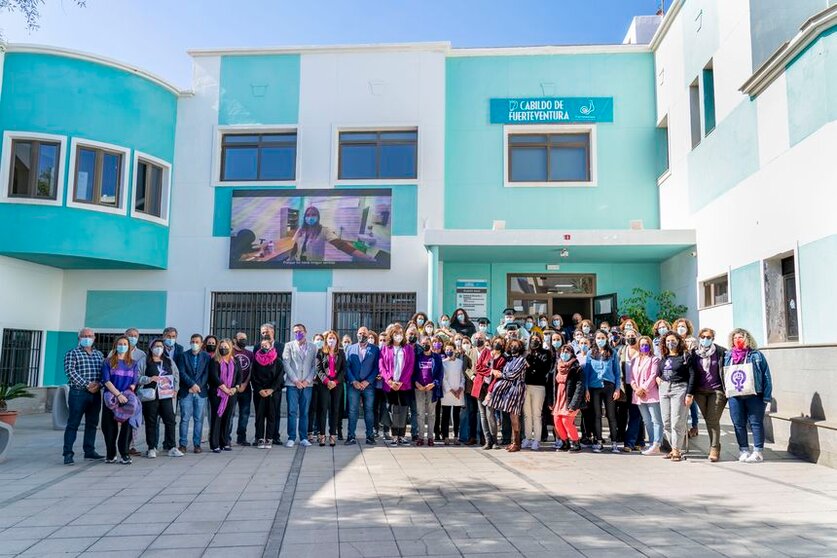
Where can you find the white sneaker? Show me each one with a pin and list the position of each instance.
(597, 448)
(268, 444)
(559, 443)
(755, 457)
(743, 455)
(289, 444)
(174, 452)
(614, 448)
(526, 444)
(536, 446)
(151, 454)
(304, 443)
(261, 444)
(654, 449)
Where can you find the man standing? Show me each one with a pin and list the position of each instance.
(362, 368)
(299, 361)
(173, 348)
(194, 375)
(244, 397)
(267, 330)
(83, 366)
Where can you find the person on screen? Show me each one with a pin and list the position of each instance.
(310, 241)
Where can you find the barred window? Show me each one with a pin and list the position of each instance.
(237, 311)
(373, 310)
(20, 356)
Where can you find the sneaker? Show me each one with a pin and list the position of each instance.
(197, 449)
(268, 444)
(755, 457)
(174, 452)
(350, 441)
(216, 450)
(227, 448)
(614, 448)
(394, 442)
(743, 456)
(94, 455)
(244, 443)
(405, 441)
(370, 441)
(289, 444)
(110, 461)
(304, 443)
(536, 446)
(261, 444)
(585, 444)
(527, 443)
(277, 441)
(125, 461)
(653, 449)
(151, 454)
(387, 435)
(68, 460)
(575, 447)
(559, 444)
(597, 448)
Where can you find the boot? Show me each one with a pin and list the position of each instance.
(714, 454)
(575, 447)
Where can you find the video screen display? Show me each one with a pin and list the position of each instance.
(324, 229)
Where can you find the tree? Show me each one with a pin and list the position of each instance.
(637, 307)
(30, 9)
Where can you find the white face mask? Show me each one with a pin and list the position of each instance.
(398, 339)
(682, 330)
(157, 351)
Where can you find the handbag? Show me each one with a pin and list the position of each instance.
(739, 380)
(146, 394)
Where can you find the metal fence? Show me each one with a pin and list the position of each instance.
(373, 310)
(236, 311)
(105, 341)
(20, 356)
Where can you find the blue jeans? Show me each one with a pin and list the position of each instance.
(652, 416)
(744, 411)
(693, 413)
(368, 408)
(82, 403)
(298, 402)
(634, 425)
(192, 408)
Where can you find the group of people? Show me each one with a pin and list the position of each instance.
(499, 389)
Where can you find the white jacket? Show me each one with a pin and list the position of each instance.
(454, 379)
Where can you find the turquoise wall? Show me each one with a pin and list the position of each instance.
(817, 266)
(57, 345)
(618, 278)
(259, 89)
(312, 280)
(626, 148)
(812, 87)
(747, 299)
(124, 309)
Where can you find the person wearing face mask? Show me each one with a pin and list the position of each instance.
(469, 431)
(491, 361)
(628, 324)
(396, 365)
(436, 345)
(268, 330)
(588, 329)
(684, 328)
(139, 357)
(603, 379)
(210, 345)
(414, 333)
(299, 358)
(173, 348)
(628, 415)
(552, 342)
(539, 361)
(314, 405)
(121, 409)
(483, 326)
(427, 381)
(343, 413)
(265, 379)
(569, 399)
(543, 323)
(419, 319)
(381, 416)
(244, 398)
(331, 371)
(191, 398)
(310, 239)
(677, 387)
(747, 400)
(531, 326)
(429, 328)
(224, 377)
(509, 392)
(509, 320)
(444, 324)
(462, 323)
(660, 329)
(709, 390)
(453, 392)
(83, 367)
(157, 388)
(645, 367)
(361, 371)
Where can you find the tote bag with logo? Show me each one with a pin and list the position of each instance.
(739, 380)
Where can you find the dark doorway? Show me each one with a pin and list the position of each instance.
(566, 307)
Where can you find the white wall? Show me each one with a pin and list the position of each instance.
(30, 296)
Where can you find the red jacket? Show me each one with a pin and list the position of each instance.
(483, 370)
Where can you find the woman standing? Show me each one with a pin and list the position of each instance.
(314, 405)
(331, 371)
(428, 388)
(210, 344)
(660, 329)
(224, 377)
(748, 409)
(158, 385)
(491, 361)
(539, 363)
(453, 392)
(709, 388)
(119, 376)
(462, 323)
(509, 391)
(471, 355)
(645, 368)
(684, 328)
(569, 399)
(266, 378)
(603, 379)
(396, 364)
(633, 431)
(677, 379)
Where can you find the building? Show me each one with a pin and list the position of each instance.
(549, 179)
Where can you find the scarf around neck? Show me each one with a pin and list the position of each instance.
(564, 367)
(265, 359)
(739, 355)
(227, 371)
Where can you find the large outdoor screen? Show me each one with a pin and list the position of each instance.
(320, 229)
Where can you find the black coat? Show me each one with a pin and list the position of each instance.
(268, 376)
(576, 390)
(339, 366)
(215, 376)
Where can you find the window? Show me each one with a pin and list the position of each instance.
(694, 112)
(34, 171)
(549, 157)
(20, 357)
(149, 188)
(662, 147)
(373, 310)
(545, 293)
(716, 291)
(258, 157)
(232, 312)
(708, 99)
(98, 176)
(104, 341)
(781, 307)
(378, 154)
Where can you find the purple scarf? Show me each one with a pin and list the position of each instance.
(131, 411)
(227, 371)
(739, 355)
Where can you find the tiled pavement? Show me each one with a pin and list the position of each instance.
(457, 501)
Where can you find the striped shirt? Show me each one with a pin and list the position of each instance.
(83, 367)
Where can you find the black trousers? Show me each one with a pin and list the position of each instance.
(117, 434)
(162, 409)
(437, 426)
(599, 396)
(277, 412)
(399, 405)
(447, 411)
(471, 415)
(329, 401)
(382, 416)
(219, 426)
(265, 414)
(314, 410)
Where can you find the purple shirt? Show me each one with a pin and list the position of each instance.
(425, 369)
(122, 377)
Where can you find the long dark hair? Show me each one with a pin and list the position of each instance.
(596, 352)
(166, 360)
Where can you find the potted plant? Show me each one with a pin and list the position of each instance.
(7, 393)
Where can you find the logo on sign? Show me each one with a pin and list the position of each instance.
(587, 110)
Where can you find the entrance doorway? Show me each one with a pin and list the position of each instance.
(551, 293)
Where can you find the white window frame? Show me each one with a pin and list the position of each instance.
(165, 195)
(705, 304)
(6, 167)
(220, 131)
(388, 127)
(121, 207)
(512, 129)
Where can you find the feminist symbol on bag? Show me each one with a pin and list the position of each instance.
(738, 378)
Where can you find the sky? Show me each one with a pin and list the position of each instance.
(155, 34)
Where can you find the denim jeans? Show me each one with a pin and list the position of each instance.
(744, 411)
(652, 416)
(192, 409)
(82, 403)
(693, 414)
(298, 403)
(368, 395)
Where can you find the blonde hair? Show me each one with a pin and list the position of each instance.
(690, 329)
(218, 356)
(326, 349)
(748, 338)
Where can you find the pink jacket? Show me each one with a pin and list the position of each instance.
(644, 373)
(386, 366)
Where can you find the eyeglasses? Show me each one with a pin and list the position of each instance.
(706, 337)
